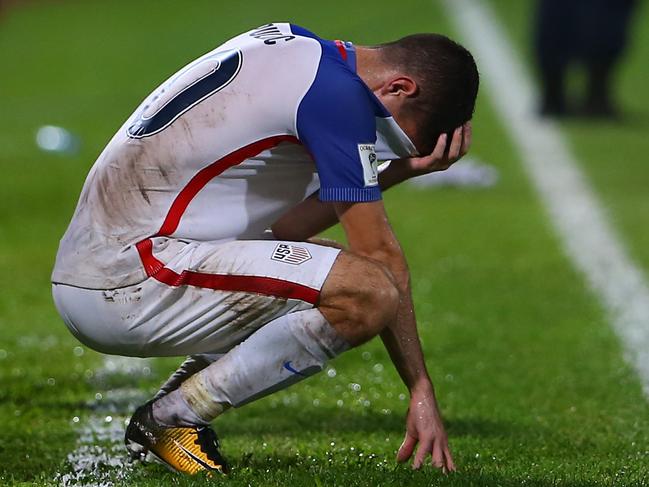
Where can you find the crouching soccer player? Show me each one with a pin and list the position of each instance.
(193, 232)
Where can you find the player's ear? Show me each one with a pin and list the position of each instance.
(401, 86)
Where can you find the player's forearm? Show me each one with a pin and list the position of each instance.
(392, 175)
(312, 216)
(402, 342)
(401, 338)
(304, 221)
(370, 235)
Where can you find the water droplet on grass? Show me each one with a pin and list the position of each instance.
(78, 351)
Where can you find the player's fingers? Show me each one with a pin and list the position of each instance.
(406, 448)
(466, 139)
(423, 451)
(450, 464)
(438, 455)
(440, 148)
(456, 144)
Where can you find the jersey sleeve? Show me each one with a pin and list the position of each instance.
(336, 123)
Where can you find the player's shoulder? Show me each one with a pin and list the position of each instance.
(276, 37)
(337, 87)
(327, 67)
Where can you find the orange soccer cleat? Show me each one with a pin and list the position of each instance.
(184, 449)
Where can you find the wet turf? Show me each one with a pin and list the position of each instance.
(530, 376)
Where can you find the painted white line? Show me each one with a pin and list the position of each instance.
(100, 458)
(582, 225)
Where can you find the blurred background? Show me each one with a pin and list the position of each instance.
(531, 377)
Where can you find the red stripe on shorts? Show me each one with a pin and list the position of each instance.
(268, 286)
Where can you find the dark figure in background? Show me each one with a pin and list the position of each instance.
(592, 33)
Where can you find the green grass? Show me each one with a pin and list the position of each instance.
(531, 379)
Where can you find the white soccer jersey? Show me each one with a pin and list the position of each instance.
(225, 146)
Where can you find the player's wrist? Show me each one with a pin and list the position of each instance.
(421, 386)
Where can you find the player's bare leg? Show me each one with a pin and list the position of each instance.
(359, 298)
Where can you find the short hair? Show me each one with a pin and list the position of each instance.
(447, 78)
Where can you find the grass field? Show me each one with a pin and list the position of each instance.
(531, 378)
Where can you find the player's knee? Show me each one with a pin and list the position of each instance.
(361, 298)
(378, 296)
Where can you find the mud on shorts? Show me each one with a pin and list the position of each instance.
(207, 298)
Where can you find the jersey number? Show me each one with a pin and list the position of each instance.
(185, 90)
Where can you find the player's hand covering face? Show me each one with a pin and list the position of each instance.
(445, 153)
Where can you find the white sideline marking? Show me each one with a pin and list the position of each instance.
(582, 225)
(100, 458)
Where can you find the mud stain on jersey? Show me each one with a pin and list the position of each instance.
(115, 185)
(126, 186)
(216, 117)
(143, 193)
(164, 173)
(188, 135)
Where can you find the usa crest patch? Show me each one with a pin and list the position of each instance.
(290, 254)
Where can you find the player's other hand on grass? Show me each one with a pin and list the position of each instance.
(445, 153)
(424, 427)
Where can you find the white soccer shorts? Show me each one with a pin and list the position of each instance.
(207, 298)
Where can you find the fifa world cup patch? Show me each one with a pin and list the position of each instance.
(290, 254)
(370, 163)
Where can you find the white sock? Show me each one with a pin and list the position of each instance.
(191, 365)
(279, 354)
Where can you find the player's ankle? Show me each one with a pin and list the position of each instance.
(173, 410)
